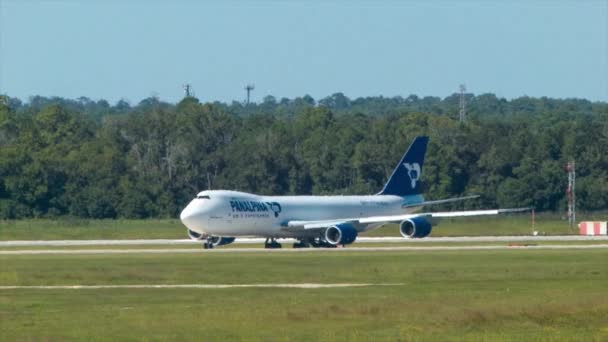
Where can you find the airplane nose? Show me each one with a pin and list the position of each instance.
(193, 217)
(187, 215)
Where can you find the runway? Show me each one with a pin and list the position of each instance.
(152, 242)
(192, 286)
(296, 250)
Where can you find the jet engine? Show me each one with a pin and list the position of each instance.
(221, 240)
(416, 227)
(196, 236)
(341, 234)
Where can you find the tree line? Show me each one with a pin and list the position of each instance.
(90, 159)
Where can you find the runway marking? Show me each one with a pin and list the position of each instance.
(387, 239)
(295, 250)
(194, 286)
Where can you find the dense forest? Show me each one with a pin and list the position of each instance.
(91, 159)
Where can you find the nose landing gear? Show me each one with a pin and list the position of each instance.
(208, 244)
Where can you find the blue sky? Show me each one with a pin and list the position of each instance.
(136, 49)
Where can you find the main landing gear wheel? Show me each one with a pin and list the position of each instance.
(303, 243)
(320, 243)
(272, 243)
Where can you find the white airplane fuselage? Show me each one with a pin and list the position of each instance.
(218, 216)
(233, 213)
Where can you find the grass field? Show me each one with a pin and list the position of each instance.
(446, 295)
(82, 229)
(46, 229)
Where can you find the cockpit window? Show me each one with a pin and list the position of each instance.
(203, 197)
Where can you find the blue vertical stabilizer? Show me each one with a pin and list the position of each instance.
(406, 178)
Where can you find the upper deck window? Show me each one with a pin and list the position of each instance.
(203, 197)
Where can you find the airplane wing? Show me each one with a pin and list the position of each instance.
(320, 224)
(448, 200)
(398, 218)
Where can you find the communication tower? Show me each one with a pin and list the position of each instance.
(463, 112)
(571, 194)
(248, 89)
(188, 89)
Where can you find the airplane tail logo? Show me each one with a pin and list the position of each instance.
(405, 179)
(413, 171)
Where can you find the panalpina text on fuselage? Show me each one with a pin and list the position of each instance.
(249, 206)
(255, 207)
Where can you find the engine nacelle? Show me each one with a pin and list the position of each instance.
(221, 240)
(341, 234)
(416, 227)
(196, 236)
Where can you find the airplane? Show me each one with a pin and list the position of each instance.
(216, 217)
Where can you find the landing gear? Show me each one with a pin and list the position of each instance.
(320, 243)
(303, 243)
(313, 242)
(272, 243)
(208, 244)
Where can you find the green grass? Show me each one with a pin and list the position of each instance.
(448, 295)
(81, 229)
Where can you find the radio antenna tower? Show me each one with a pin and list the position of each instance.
(248, 89)
(571, 194)
(188, 89)
(463, 113)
